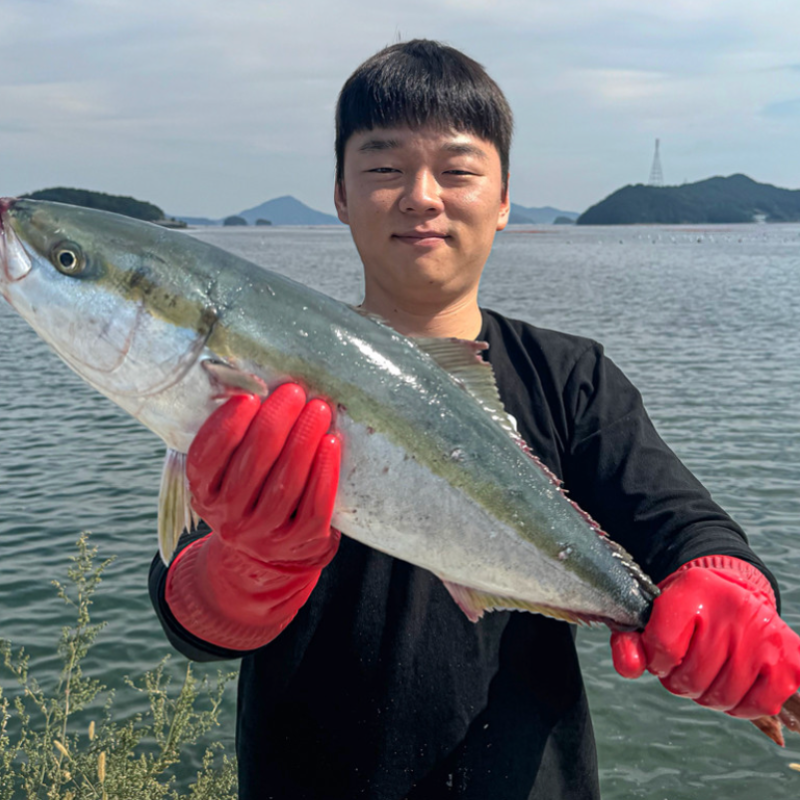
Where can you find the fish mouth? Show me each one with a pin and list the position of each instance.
(6, 203)
(15, 263)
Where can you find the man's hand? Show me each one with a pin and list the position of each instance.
(715, 636)
(264, 477)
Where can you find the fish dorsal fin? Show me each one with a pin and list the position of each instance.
(175, 512)
(461, 359)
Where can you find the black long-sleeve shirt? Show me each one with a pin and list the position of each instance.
(382, 689)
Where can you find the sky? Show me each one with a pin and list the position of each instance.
(207, 108)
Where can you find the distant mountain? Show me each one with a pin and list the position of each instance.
(287, 210)
(736, 198)
(520, 215)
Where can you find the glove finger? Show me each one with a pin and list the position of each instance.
(316, 506)
(307, 540)
(313, 540)
(214, 444)
(765, 697)
(260, 448)
(732, 683)
(705, 657)
(288, 478)
(668, 633)
(779, 673)
(628, 655)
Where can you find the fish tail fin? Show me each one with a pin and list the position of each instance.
(789, 716)
(175, 512)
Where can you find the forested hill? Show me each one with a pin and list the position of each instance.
(105, 202)
(736, 198)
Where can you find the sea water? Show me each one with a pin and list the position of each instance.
(705, 321)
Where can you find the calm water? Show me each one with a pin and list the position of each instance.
(706, 323)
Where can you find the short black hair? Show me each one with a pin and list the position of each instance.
(423, 83)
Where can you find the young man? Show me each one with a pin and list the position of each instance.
(377, 685)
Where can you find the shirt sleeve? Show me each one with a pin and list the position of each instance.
(622, 472)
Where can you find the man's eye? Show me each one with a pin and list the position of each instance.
(459, 172)
(383, 170)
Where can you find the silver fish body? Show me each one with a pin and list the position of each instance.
(433, 472)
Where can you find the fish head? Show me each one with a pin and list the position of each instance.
(111, 295)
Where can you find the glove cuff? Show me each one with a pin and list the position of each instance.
(736, 570)
(237, 603)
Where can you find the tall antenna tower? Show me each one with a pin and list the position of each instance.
(656, 175)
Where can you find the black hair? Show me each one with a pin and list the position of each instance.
(423, 83)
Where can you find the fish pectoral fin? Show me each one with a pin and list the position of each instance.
(228, 380)
(175, 512)
(474, 602)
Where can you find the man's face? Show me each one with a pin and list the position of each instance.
(423, 207)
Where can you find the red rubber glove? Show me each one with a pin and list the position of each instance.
(264, 478)
(715, 636)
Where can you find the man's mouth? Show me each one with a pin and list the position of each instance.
(421, 237)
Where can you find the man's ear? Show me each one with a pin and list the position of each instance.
(505, 206)
(340, 201)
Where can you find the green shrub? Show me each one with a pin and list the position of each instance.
(46, 752)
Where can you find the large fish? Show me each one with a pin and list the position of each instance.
(433, 470)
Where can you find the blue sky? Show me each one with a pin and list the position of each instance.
(207, 108)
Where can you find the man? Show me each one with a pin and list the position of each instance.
(360, 676)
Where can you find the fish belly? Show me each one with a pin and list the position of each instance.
(391, 502)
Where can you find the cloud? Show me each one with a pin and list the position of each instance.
(166, 98)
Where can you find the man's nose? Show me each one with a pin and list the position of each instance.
(422, 194)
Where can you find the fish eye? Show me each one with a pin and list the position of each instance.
(68, 258)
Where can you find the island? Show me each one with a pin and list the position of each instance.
(734, 199)
(118, 204)
(286, 210)
(544, 215)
